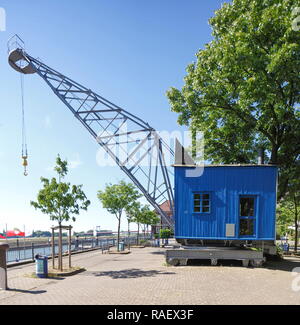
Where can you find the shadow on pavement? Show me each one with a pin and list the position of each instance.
(158, 253)
(37, 292)
(283, 265)
(128, 274)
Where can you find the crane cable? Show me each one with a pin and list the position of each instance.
(24, 142)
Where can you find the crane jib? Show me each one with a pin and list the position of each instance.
(107, 123)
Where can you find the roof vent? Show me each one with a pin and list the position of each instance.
(261, 156)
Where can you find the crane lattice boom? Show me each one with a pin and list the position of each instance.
(134, 145)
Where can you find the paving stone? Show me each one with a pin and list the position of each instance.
(142, 277)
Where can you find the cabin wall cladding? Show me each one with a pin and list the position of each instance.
(230, 202)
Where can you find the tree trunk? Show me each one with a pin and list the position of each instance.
(138, 235)
(296, 225)
(274, 155)
(70, 247)
(128, 234)
(60, 260)
(118, 240)
(53, 249)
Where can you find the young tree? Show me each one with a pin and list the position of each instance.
(131, 212)
(148, 218)
(117, 198)
(60, 201)
(243, 90)
(143, 216)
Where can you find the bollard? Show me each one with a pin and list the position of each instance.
(32, 251)
(3, 267)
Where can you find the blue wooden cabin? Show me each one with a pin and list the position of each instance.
(227, 202)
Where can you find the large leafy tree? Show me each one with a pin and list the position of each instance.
(117, 198)
(243, 89)
(59, 200)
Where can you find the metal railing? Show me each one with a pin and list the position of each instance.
(26, 252)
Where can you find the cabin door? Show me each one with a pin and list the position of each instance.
(247, 216)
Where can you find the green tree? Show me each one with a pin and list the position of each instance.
(117, 198)
(148, 218)
(289, 207)
(165, 233)
(60, 201)
(40, 233)
(285, 217)
(132, 212)
(243, 89)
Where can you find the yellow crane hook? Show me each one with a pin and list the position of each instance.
(25, 164)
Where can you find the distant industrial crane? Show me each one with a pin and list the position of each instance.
(133, 144)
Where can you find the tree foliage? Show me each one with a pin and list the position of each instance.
(61, 201)
(148, 217)
(165, 233)
(285, 217)
(117, 198)
(243, 89)
(289, 207)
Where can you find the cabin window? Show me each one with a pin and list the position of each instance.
(201, 202)
(246, 227)
(247, 215)
(247, 206)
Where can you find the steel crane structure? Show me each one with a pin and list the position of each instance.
(133, 144)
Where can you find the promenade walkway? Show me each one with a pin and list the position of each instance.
(143, 278)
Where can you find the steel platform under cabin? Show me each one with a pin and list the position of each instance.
(180, 256)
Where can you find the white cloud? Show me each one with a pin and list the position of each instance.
(75, 163)
(72, 164)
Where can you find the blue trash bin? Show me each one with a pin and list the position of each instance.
(121, 246)
(285, 247)
(41, 266)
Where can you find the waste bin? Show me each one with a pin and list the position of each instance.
(41, 266)
(121, 246)
(3, 267)
(285, 247)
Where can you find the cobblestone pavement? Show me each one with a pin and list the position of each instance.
(143, 278)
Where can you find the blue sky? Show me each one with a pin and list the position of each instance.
(128, 51)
